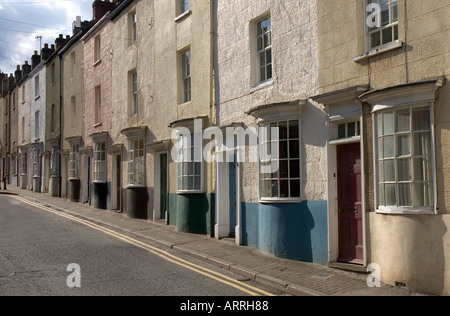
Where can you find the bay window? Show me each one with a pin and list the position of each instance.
(404, 173)
(136, 162)
(283, 179)
(74, 162)
(99, 173)
(190, 163)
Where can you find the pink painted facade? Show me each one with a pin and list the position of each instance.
(97, 75)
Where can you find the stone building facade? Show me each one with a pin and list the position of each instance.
(132, 108)
(97, 111)
(266, 68)
(385, 90)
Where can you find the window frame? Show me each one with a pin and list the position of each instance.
(279, 199)
(264, 49)
(97, 49)
(195, 164)
(36, 163)
(132, 23)
(185, 76)
(395, 209)
(37, 92)
(74, 162)
(99, 165)
(183, 6)
(136, 168)
(392, 24)
(98, 104)
(133, 93)
(36, 124)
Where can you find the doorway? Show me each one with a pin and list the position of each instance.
(163, 186)
(350, 209)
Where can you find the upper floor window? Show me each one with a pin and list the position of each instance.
(183, 6)
(264, 50)
(381, 22)
(133, 93)
(73, 60)
(133, 27)
(98, 105)
(186, 76)
(97, 46)
(36, 86)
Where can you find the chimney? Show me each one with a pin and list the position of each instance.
(18, 74)
(59, 41)
(100, 8)
(11, 81)
(26, 68)
(35, 59)
(76, 25)
(46, 52)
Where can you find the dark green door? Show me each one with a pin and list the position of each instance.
(163, 177)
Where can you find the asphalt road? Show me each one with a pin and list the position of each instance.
(37, 246)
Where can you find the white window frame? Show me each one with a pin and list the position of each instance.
(37, 93)
(133, 88)
(24, 163)
(98, 104)
(183, 6)
(190, 164)
(97, 49)
(391, 25)
(36, 163)
(186, 79)
(133, 27)
(264, 145)
(74, 162)
(136, 162)
(263, 50)
(99, 162)
(395, 209)
(36, 124)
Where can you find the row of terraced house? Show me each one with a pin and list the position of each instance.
(350, 94)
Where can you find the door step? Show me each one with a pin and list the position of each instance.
(348, 267)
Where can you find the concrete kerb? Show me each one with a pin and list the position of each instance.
(281, 285)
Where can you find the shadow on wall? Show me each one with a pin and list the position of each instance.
(296, 231)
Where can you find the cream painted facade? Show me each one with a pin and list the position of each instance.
(133, 103)
(292, 222)
(176, 33)
(411, 244)
(72, 74)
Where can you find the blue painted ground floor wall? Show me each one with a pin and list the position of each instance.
(297, 231)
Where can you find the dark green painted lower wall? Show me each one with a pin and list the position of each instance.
(297, 231)
(192, 213)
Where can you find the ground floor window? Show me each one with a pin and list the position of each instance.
(74, 162)
(190, 164)
(99, 172)
(36, 160)
(136, 162)
(24, 163)
(283, 180)
(404, 172)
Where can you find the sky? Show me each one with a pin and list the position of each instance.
(21, 21)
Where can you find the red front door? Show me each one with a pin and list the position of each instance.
(350, 204)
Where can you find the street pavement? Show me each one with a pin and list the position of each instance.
(286, 276)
